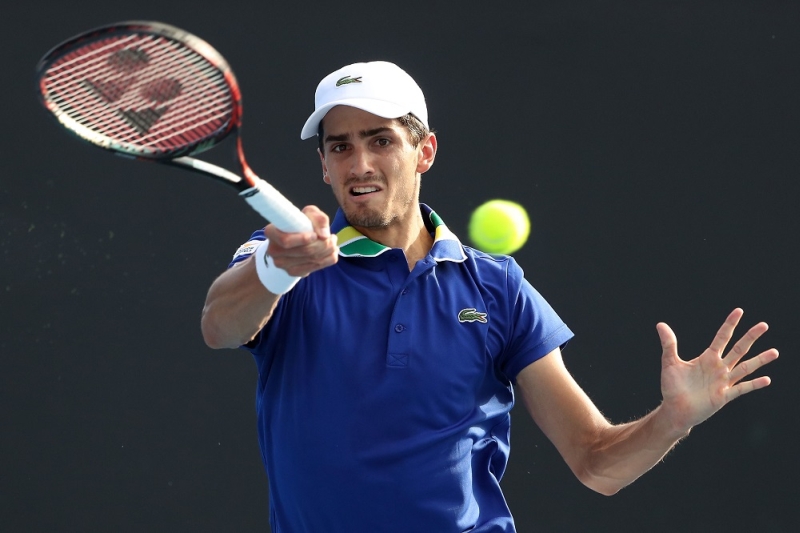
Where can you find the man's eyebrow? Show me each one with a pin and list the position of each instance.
(337, 138)
(363, 134)
(375, 131)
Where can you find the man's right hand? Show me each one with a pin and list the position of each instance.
(299, 254)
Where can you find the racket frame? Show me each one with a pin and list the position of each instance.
(259, 194)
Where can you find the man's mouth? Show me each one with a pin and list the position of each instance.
(360, 191)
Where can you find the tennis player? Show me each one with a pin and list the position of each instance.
(388, 354)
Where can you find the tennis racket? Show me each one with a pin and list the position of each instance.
(154, 92)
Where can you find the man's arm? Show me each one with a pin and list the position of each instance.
(238, 305)
(607, 457)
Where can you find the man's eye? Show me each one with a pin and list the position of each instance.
(382, 142)
(338, 148)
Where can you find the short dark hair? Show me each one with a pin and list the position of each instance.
(416, 129)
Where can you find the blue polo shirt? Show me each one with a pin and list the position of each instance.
(383, 395)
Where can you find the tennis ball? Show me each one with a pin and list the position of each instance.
(499, 227)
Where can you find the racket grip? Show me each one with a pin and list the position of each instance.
(276, 208)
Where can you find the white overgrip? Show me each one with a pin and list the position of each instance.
(276, 208)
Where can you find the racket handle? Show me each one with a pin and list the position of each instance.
(274, 206)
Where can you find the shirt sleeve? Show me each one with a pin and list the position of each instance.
(246, 250)
(243, 252)
(535, 329)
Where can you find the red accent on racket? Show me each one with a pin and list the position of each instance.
(154, 92)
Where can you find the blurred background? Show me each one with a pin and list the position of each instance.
(654, 145)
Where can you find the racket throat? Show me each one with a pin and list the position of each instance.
(250, 177)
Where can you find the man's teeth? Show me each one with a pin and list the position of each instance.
(364, 190)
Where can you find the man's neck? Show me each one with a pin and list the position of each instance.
(412, 237)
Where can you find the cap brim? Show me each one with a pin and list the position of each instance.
(380, 108)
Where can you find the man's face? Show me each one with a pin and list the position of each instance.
(372, 167)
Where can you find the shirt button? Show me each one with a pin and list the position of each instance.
(399, 328)
(405, 291)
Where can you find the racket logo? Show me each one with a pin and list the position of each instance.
(347, 80)
(125, 69)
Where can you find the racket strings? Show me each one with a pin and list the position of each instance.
(145, 93)
(159, 89)
(142, 119)
(154, 93)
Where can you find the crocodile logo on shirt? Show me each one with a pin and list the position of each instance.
(470, 314)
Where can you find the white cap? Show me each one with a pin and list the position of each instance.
(378, 87)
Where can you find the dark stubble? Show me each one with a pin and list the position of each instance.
(372, 218)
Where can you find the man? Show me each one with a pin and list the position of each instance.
(387, 356)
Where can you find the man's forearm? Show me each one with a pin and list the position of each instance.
(236, 308)
(622, 453)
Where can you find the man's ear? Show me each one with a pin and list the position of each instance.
(325, 177)
(427, 153)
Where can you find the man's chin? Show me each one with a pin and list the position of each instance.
(366, 218)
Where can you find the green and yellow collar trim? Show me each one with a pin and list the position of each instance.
(352, 243)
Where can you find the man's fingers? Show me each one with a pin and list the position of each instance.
(320, 221)
(288, 241)
(745, 368)
(318, 256)
(723, 336)
(747, 386)
(300, 253)
(744, 344)
(304, 252)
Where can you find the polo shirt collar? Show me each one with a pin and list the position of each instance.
(352, 243)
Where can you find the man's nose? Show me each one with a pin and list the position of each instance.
(362, 163)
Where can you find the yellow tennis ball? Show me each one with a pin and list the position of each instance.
(499, 227)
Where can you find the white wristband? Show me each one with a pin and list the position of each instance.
(276, 280)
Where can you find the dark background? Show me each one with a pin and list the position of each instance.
(653, 143)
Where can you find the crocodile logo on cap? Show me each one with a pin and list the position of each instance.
(347, 80)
